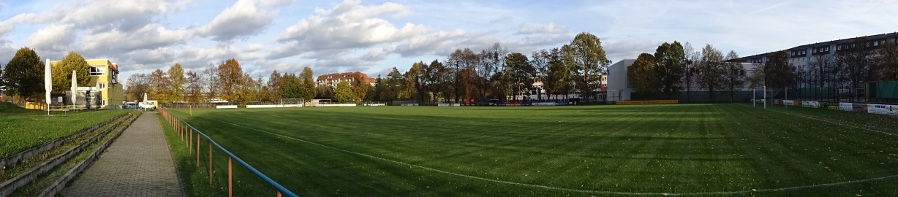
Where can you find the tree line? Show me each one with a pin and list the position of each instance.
(496, 73)
(842, 75)
(23, 76)
(491, 73)
(675, 67)
(226, 82)
(824, 76)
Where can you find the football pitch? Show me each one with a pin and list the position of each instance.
(611, 150)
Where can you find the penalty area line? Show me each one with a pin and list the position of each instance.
(569, 189)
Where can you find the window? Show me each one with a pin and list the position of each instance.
(101, 85)
(97, 71)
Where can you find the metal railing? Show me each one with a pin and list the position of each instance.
(192, 136)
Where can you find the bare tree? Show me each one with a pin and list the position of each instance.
(854, 62)
(211, 81)
(821, 76)
(887, 60)
(734, 75)
(540, 61)
(692, 58)
(711, 71)
(779, 74)
(194, 87)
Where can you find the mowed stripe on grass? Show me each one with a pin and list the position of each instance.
(630, 150)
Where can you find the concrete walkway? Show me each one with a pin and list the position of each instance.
(138, 163)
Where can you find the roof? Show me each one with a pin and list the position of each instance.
(822, 44)
(344, 76)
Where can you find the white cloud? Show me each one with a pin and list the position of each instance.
(100, 15)
(7, 51)
(376, 54)
(628, 49)
(274, 3)
(243, 19)
(551, 28)
(7, 25)
(350, 32)
(55, 37)
(147, 37)
(349, 25)
(253, 47)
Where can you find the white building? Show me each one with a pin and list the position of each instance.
(618, 87)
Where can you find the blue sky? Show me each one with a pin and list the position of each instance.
(374, 36)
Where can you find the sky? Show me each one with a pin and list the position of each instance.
(375, 36)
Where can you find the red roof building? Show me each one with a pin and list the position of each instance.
(332, 79)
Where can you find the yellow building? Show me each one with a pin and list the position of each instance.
(104, 78)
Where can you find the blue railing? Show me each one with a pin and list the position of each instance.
(185, 131)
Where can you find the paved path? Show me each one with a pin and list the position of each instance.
(138, 163)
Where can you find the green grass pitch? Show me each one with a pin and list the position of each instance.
(684, 149)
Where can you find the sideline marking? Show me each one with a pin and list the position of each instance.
(837, 122)
(578, 190)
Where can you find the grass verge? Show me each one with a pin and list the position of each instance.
(20, 131)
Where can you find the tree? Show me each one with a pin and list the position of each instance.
(230, 80)
(521, 72)
(211, 81)
(307, 85)
(394, 83)
(360, 87)
(854, 63)
(249, 89)
(540, 62)
(734, 75)
(491, 62)
(176, 75)
(414, 81)
(503, 83)
(671, 67)
(887, 60)
(138, 85)
(589, 61)
(160, 86)
(24, 74)
(641, 75)
(693, 59)
(292, 87)
(710, 71)
(462, 60)
(779, 74)
(194, 89)
(275, 86)
(435, 79)
(62, 72)
(822, 75)
(374, 91)
(343, 92)
(558, 81)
